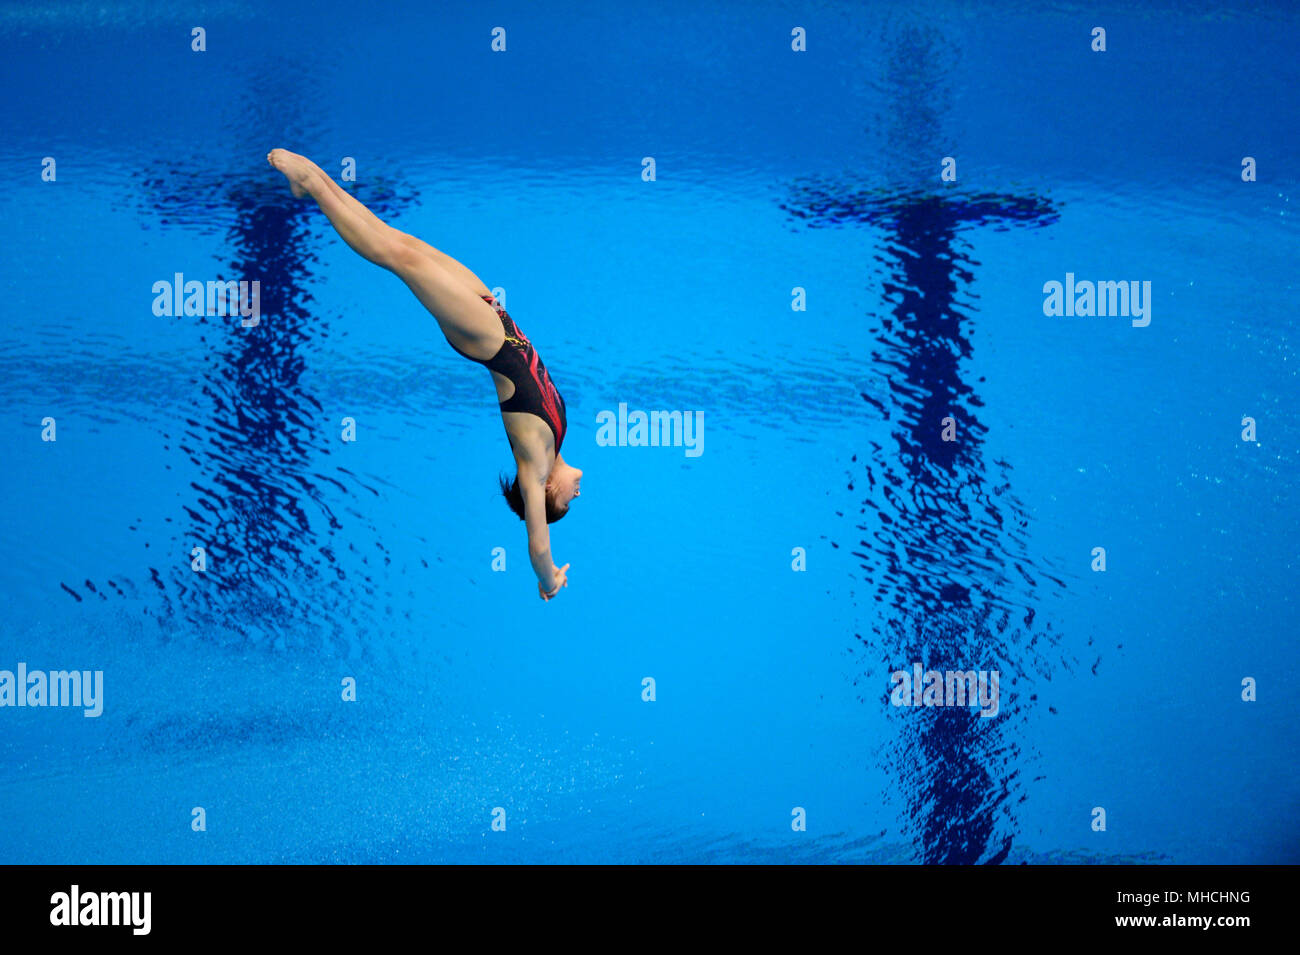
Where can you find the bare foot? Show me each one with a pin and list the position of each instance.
(297, 169)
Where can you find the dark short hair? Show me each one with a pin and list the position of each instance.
(515, 498)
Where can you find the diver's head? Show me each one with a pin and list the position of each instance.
(562, 485)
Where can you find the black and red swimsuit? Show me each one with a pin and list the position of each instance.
(518, 360)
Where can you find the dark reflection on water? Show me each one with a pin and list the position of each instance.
(942, 538)
(284, 566)
(943, 543)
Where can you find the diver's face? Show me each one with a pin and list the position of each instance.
(565, 483)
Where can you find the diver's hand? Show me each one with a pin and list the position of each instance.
(560, 575)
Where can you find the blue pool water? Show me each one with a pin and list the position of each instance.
(774, 170)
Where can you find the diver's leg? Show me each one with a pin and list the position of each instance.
(457, 269)
(468, 322)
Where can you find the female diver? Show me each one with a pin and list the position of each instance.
(477, 327)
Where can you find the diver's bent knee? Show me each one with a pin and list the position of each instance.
(396, 256)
